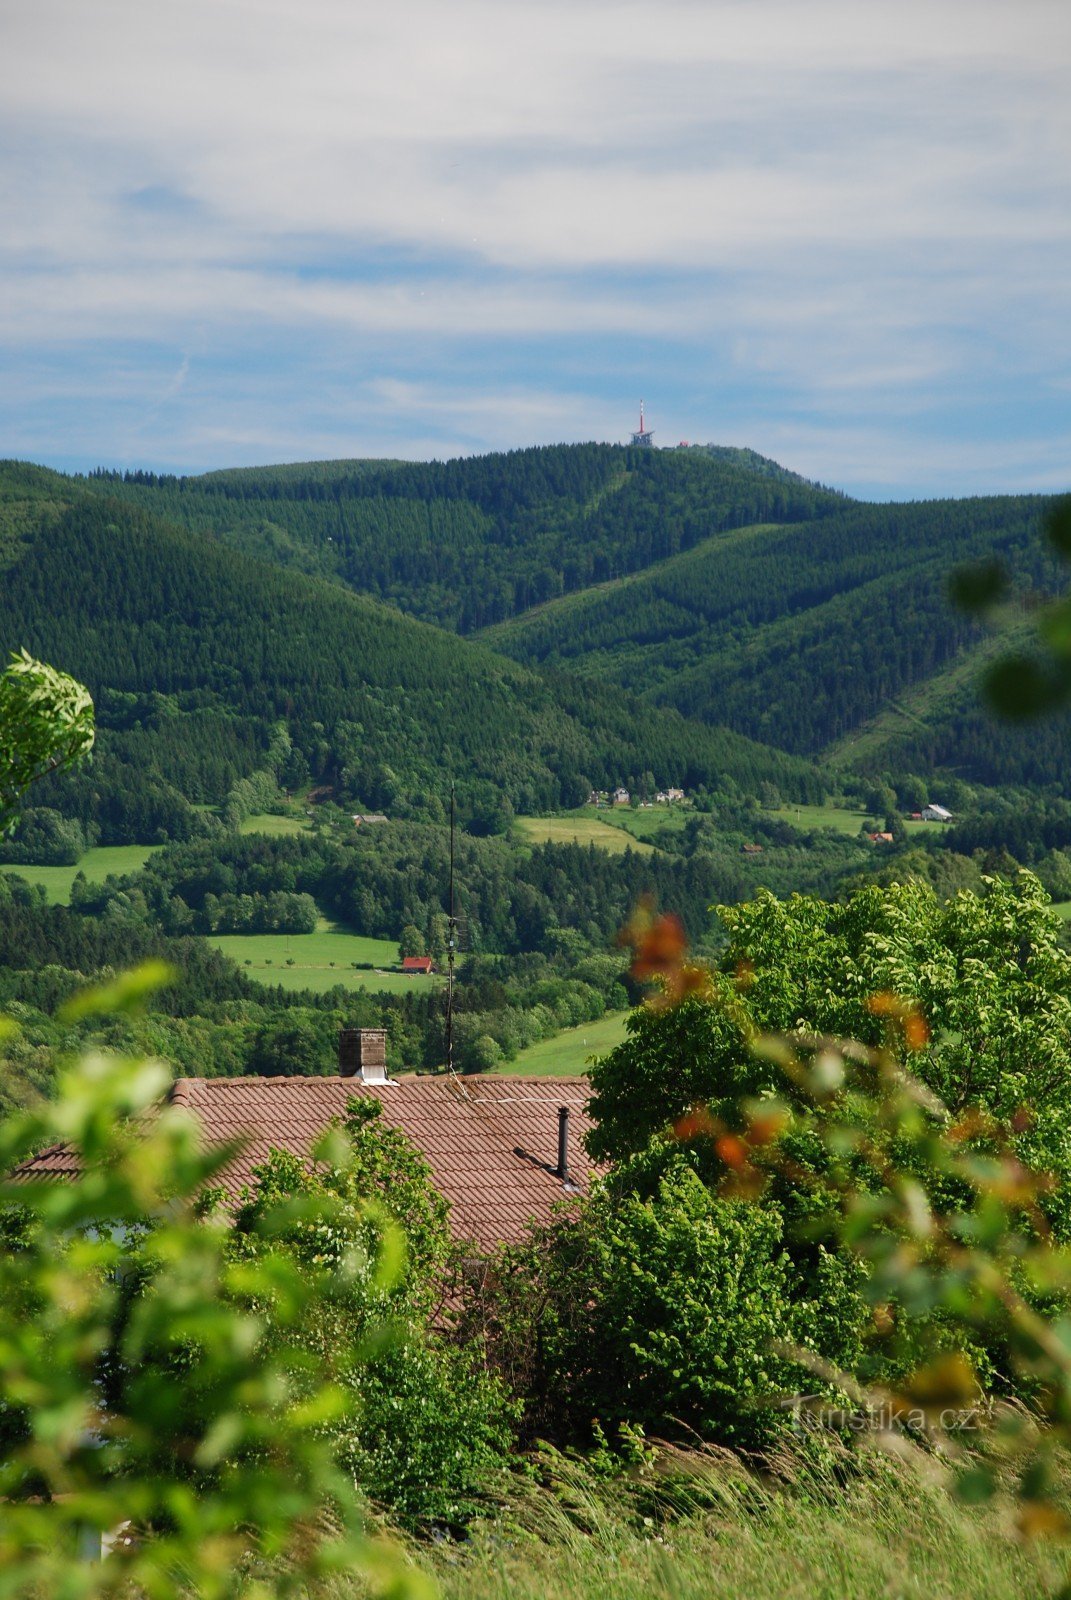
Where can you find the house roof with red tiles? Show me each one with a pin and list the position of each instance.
(491, 1142)
(417, 963)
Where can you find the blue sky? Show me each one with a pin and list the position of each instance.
(838, 231)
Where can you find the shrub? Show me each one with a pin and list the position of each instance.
(427, 1427)
(653, 1312)
(152, 1380)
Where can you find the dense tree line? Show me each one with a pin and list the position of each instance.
(544, 899)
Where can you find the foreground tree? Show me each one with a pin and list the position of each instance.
(986, 971)
(160, 1399)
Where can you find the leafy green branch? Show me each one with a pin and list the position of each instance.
(945, 1218)
(46, 725)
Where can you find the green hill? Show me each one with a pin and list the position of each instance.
(805, 635)
(706, 581)
(469, 542)
(196, 653)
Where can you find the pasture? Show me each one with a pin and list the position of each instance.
(268, 822)
(586, 826)
(96, 864)
(843, 820)
(567, 1053)
(320, 960)
(644, 822)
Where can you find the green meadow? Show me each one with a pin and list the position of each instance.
(567, 1053)
(586, 826)
(318, 961)
(842, 820)
(646, 821)
(268, 822)
(96, 864)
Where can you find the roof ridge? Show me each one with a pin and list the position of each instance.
(180, 1086)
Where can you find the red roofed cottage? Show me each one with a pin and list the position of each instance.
(502, 1150)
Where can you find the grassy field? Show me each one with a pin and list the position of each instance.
(586, 826)
(320, 960)
(644, 823)
(892, 1540)
(266, 822)
(843, 821)
(96, 864)
(567, 1054)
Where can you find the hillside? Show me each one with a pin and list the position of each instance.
(195, 653)
(709, 580)
(469, 542)
(804, 635)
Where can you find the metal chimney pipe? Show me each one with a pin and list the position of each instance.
(563, 1143)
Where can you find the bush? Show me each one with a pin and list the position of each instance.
(125, 1325)
(484, 1054)
(45, 838)
(428, 1427)
(684, 1296)
(431, 1432)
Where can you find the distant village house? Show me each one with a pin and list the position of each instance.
(622, 797)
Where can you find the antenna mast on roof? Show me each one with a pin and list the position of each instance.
(451, 948)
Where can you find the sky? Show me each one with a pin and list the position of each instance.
(244, 231)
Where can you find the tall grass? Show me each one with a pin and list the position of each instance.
(885, 1533)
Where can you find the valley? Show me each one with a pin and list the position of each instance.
(351, 714)
(277, 654)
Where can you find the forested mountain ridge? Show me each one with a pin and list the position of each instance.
(466, 543)
(196, 654)
(705, 580)
(802, 635)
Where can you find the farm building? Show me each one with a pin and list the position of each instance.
(417, 964)
(935, 813)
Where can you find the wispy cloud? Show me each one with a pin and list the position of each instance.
(754, 211)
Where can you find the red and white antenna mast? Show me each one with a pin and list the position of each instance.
(644, 437)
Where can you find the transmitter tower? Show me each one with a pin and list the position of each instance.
(644, 436)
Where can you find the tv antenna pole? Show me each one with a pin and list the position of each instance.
(451, 948)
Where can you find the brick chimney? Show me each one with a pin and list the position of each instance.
(362, 1053)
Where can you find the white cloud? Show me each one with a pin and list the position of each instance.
(846, 205)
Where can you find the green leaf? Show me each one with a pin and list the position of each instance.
(1020, 687)
(125, 993)
(979, 587)
(1058, 528)
(975, 1486)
